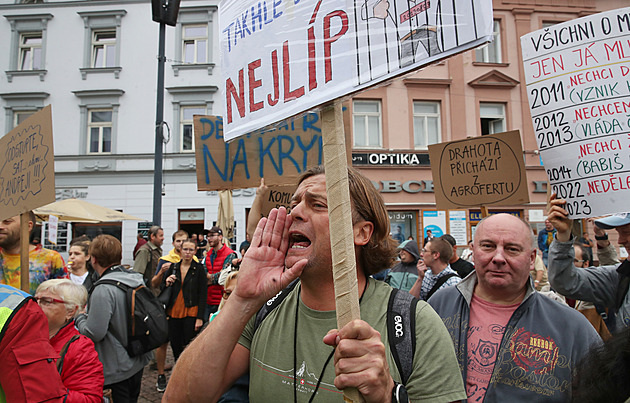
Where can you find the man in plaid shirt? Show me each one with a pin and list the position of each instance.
(434, 272)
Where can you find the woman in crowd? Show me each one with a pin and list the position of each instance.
(79, 366)
(187, 300)
(79, 267)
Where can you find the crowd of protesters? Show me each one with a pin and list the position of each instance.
(515, 316)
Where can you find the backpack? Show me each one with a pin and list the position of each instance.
(401, 326)
(147, 326)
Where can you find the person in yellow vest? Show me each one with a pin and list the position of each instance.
(24, 338)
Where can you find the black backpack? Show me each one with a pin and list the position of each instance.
(401, 326)
(147, 326)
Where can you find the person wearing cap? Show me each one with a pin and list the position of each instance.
(404, 275)
(605, 285)
(218, 258)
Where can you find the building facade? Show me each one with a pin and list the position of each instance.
(95, 62)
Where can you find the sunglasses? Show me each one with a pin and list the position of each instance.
(48, 301)
(226, 294)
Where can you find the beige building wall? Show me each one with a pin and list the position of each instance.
(459, 84)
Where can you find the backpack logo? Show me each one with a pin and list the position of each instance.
(398, 326)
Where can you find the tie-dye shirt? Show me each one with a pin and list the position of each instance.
(45, 264)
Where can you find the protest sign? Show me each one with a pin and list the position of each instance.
(578, 83)
(27, 174)
(487, 170)
(281, 58)
(279, 154)
(278, 196)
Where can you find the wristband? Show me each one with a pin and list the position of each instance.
(601, 238)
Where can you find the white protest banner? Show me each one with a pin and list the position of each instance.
(578, 83)
(280, 58)
(53, 224)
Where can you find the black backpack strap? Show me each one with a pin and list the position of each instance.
(401, 331)
(439, 283)
(273, 303)
(63, 352)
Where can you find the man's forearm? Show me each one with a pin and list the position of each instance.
(209, 353)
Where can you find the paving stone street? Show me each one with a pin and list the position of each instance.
(149, 393)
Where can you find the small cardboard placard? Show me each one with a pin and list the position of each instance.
(487, 170)
(27, 166)
(278, 196)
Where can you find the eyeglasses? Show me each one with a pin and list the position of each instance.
(48, 301)
(226, 294)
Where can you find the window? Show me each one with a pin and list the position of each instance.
(18, 106)
(19, 117)
(100, 131)
(492, 118)
(491, 52)
(426, 124)
(103, 49)
(195, 44)
(192, 39)
(186, 130)
(366, 116)
(28, 45)
(189, 101)
(62, 237)
(98, 120)
(30, 51)
(102, 38)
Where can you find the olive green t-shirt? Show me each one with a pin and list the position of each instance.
(435, 378)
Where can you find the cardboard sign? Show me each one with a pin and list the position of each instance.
(278, 154)
(278, 196)
(27, 168)
(487, 170)
(578, 84)
(281, 58)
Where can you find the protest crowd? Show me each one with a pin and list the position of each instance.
(499, 328)
(519, 311)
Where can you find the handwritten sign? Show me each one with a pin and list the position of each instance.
(278, 196)
(281, 58)
(487, 170)
(280, 154)
(578, 83)
(27, 175)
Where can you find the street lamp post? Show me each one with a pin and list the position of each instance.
(165, 12)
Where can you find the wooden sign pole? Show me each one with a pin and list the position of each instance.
(340, 224)
(24, 250)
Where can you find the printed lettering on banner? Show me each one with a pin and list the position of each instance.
(280, 58)
(578, 83)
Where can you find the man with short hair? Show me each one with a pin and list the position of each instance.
(201, 244)
(428, 237)
(434, 272)
(44, 264)
(288, 350)
(148, 256)
(106, 321)
(513, 344)
(218, 258)
(545, 237)
(461, 266)
(606, 285)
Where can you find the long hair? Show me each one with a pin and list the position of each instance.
(367, 204)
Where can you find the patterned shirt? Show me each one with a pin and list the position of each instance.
(45, 264)
(430, 279)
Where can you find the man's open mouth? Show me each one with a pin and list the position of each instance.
(299, 241)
